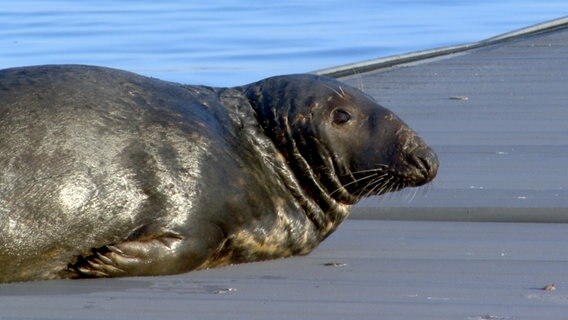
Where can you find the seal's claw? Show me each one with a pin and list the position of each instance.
(114, 249)
(104, 262)
(89, 272)
(104, 259)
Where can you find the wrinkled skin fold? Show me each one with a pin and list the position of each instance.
(106, 173)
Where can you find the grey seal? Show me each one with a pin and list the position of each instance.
(106, 173)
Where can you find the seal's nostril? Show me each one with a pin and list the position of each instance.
(425, 163)
(430, 163)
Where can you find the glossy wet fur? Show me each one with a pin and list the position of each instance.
(107, 173)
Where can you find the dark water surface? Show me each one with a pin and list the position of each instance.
(225, 43)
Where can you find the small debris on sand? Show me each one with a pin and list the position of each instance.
(335, 264)
(549, 287)
(461, 98)
(226, 290)
(489, 317)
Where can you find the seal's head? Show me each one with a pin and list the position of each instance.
(338, 140)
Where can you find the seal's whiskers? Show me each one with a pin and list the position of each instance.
(342, 92)
(377, 180)
(377, 184)
(374, 173)
(381, 167)
(385, 187)
(412, 194)
(339, 94)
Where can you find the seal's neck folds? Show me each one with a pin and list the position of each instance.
(317, 191)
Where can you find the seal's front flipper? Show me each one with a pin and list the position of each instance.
(165, 253)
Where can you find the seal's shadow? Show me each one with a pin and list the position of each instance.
(66, 287)
(111, 287)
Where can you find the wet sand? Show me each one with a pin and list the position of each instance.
(366, 270)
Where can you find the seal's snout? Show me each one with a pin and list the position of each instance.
(424, 164)
(419, 161)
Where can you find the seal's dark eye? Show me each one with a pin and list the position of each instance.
(341, 116)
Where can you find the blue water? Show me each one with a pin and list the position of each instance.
(223, 43)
